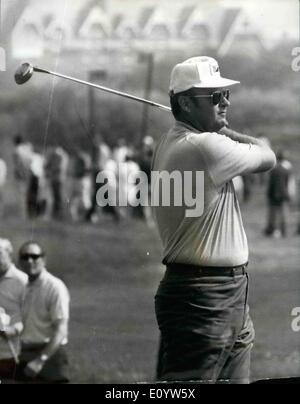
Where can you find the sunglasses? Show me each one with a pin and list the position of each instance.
(216, 96)
(27, 257)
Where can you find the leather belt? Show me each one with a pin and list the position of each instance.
(184, 269)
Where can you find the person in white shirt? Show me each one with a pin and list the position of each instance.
(121, 151)
(202, 302)
(36, 192)
(22, 158)
(46, 317)
(12, 291)
(101, 155)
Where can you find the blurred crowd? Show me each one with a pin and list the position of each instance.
(55, 184)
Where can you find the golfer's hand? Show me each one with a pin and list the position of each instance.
(34, 368)
(8, 332)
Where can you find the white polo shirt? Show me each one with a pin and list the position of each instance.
(217, 238)
(12, 292)
(46, 301)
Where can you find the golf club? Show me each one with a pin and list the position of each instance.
(26, 70)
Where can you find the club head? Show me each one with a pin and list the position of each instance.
(24, 73)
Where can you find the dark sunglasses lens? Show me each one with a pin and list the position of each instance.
(217, 96)
(26, 257)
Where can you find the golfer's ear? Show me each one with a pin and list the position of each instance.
(184, 103)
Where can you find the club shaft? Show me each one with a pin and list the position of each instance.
(106, 89)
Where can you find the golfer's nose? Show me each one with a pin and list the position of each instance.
(224, 102)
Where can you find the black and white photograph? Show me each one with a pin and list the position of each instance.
(149, 194)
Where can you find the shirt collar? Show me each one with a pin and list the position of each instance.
(10, 273)
(180, 125)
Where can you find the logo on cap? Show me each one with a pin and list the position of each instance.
(199, 72)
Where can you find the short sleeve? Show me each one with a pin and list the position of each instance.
(59, 303)
(227, 159)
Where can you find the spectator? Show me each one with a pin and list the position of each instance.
(56, 173)
(278, 195)
(112, 186)
(22, 158)
(101, 154)
(82, 186)
(12, 291)
(145, 161)
(128, 175)
(120, 151)
(46, 316)
(36, 197)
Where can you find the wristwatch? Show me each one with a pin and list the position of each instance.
(44, 358)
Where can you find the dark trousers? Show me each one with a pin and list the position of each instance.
(57, 193)
(277, 218)
(56, 369)
(34, 207)
(206, 331)
(7, 369)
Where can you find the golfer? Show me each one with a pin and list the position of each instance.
(45, 316)
(201, 303)
(12, 290)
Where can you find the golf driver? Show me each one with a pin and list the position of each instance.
(26, 70)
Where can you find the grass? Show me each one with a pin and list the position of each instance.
(113, 271)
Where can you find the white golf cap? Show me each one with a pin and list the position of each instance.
(199, 72)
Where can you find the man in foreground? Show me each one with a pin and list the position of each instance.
(46, 316)
(201, 304)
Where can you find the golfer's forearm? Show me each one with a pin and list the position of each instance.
(241, 138)
(268, 158)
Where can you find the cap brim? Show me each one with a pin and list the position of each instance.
(216, 83)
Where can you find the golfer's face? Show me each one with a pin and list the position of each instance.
(206, 115)
(32, 261)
